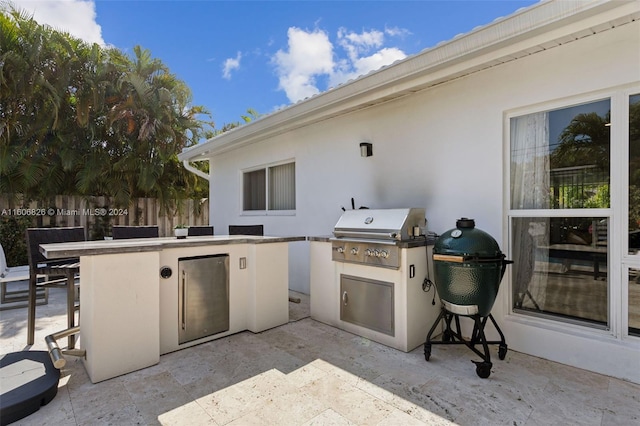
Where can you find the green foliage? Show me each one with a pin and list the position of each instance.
(599, 198)
(634, 207)
(250, 116)
(12, 238)
(587, 196)
(585, 141)
(80, 119)
(101, 227)
(584, 145)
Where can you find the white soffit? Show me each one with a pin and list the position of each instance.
(540, 27)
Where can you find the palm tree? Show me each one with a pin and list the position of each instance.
(80, 119)
(585, 141)
(31, 75)
(152, 119)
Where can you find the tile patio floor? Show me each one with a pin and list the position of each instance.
(307, 373)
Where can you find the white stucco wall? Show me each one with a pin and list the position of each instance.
(442, 148)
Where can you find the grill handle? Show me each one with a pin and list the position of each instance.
(470, 259)
(448, 258)
(380, 235)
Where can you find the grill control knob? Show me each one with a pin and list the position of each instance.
(368, 252)
(340, 249)
(384, 254)
(376, 253)
(354, 250)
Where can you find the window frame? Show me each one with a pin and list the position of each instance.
(619, 261)
(628, 260)
(266, 211)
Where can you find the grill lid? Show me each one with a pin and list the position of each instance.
(468, 241)
(384, 224)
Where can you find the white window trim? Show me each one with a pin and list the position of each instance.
(267, 212)
(628, 261)
(619, 260)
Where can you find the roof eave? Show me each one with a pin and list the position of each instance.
(505, 39)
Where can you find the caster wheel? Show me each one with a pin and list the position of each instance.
(483, 369)
(427, 351)
(502, 351)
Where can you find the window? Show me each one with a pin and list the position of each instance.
(560, 268)
(634, 174)
(634, 214)
(634, 301)
(254, 190)
(560, 159)
(270, 188)
(560, 213)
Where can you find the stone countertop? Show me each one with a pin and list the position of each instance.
(137, 245)
(321, 238)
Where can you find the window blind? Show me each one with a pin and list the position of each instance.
(282, 187)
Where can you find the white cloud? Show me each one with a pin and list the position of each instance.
(397, 32)
(357, 44)
(231, 64)
(311, 56)
(366, 64)
(77, 17)
(366, 39)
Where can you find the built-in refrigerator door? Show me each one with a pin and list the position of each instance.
(203, 297)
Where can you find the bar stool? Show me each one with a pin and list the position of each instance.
(68, 269)
(246, 230)
(19, 297)
(126, 232)
(194, 231)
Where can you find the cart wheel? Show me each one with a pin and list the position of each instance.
(446, 336)
(427, 351)
(483, 369)
(502, 351)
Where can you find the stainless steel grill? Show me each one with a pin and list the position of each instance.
(373, 237)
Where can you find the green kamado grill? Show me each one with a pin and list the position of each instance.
(469, 267)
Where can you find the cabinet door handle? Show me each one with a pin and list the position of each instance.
(184, 300)
(345, 298)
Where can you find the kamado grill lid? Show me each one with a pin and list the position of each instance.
(468, 241)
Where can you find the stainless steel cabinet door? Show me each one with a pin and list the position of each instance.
(367, 303)
(203, 297)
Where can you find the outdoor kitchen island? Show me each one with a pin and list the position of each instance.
(131, 294)
(372, 278)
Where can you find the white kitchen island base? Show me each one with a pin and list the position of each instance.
(129, 313)
(413, 309)
(119, 311)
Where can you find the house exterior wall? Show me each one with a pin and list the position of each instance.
(442, 148)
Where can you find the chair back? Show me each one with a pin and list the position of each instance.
(199, 230)
(4, 269)
(127, 232)
(246, 230)
(37, 236)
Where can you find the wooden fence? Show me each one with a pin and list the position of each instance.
(98, 214)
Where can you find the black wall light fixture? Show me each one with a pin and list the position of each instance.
(366, 149)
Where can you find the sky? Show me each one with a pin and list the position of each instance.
(265, 55)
